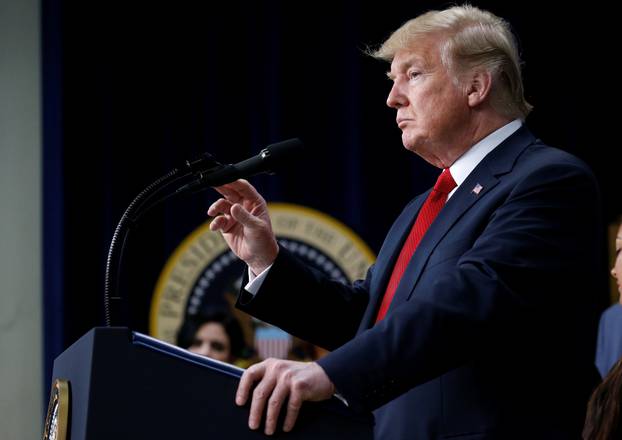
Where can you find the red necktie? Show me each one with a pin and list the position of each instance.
(430, 209)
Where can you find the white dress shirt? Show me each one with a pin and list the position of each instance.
(466, 163)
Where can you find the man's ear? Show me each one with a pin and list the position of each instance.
(479, 86)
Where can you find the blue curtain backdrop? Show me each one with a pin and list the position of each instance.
(131, 89)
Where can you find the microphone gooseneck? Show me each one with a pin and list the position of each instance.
(195, 175)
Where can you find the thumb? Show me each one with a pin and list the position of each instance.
(245, 218)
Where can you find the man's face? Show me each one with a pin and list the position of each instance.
(432, 110)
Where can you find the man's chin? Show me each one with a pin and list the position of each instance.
(408, 143)
(412, 147)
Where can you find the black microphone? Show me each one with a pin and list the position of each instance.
(268, 160)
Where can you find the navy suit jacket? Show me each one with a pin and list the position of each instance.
(491, 332)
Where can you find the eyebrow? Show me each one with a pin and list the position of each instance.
(407, 63)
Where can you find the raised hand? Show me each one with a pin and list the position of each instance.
(242, 218)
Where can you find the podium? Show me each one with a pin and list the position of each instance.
(126, 385)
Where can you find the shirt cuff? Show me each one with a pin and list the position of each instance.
(342, 399)
(255, 281)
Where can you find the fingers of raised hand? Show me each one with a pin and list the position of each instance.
(238, 191)
(239, 213)
(229, 193)
(220, 206)
(246, 190)
(222, 223)
(226, 213)
(221, 210)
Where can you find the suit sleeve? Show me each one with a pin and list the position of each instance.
(538, 239)
(307, 304)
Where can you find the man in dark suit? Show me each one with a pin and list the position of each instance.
(476, 321)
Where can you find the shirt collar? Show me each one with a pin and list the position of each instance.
(466, 163)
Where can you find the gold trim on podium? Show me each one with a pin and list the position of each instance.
(56, 421)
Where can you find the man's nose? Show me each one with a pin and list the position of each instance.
(396, 98)
(613, 272)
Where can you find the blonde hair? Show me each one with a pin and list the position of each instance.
(473, 39)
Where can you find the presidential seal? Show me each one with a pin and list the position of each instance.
(56, 422)
(202, 273)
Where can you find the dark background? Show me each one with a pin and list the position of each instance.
(131, 89)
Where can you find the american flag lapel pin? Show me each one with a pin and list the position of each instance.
(477, 189)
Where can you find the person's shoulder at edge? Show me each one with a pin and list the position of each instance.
(613, 312)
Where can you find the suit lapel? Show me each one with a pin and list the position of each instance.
(456, 206)
(481, 181)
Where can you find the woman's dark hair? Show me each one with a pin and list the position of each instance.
(603, 411)
(192, 324)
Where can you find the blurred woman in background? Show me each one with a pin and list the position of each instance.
(215, 334)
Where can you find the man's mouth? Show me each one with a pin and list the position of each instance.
(402, 122)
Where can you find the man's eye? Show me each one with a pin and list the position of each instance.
(414, 74)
